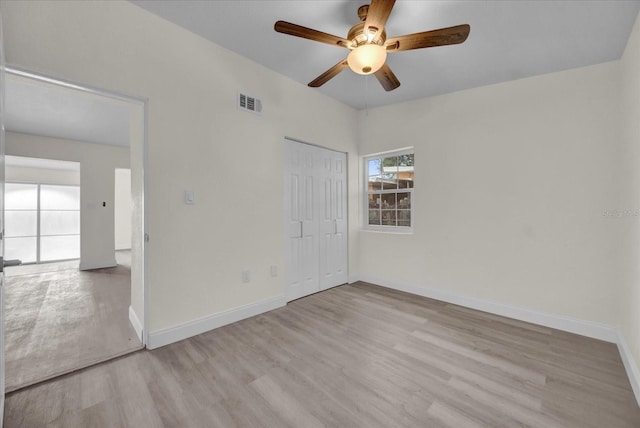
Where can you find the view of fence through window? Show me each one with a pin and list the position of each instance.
(42, 222)
(389, 189)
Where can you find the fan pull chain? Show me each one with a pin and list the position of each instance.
(366, 95)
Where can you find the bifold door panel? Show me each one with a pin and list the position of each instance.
(316, 219)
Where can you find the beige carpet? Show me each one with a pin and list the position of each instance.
(59, 319)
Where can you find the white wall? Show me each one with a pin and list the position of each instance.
(511, 183)
(628, 227)
(197, 140)
(22, 174)
(122, 209)
(97, 165)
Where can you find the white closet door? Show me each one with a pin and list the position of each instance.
(301, 221)
(316, 219)
(333, 218)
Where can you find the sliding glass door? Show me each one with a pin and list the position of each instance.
(21, 224)
(42, 222)
(59, 222)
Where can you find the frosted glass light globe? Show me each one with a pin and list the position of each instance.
(367, 59)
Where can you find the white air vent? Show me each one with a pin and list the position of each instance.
(248, 103)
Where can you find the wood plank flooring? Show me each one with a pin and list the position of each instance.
(59, 319)
(353, 356)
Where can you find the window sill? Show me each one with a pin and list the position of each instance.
(391, 230)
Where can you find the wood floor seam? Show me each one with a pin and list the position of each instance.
(357, 355)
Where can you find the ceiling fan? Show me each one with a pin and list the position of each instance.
(368, 43)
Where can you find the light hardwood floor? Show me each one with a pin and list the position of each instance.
(353, 356)
(58, 319)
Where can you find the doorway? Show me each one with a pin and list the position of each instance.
(83, 300)
(316, 218)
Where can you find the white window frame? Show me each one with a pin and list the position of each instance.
(365, 163)
(39, 210)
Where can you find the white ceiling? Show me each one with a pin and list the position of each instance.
(41, 108)
(508, 40)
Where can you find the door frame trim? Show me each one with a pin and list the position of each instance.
(295, 140)
(142, 102)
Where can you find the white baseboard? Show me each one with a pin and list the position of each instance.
(630, 366)
(101, 264)
(560, 322)
(169, 335)
(353, 278)
(135, 322)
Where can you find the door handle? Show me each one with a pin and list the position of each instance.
(335, 227)
(301, 226)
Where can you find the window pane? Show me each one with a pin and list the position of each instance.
(374, 201)
(23, 249)
(20, 196)
(405, 171)
(374, 166)
(389, 173)
(388, 217)
(389, 181)
(374, 183)
(59, 247)
(59, 222)
(390, 164)
(405, 160)
(59, 197)
(21, 223)
(388, 200)
(374, 217)
(404, 218)
(405, 177)
(405, 181)
(404, 201)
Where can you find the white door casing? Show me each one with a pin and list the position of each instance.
(2, 148)
(316, 226)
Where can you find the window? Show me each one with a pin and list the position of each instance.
(389, 190)
(42, 222)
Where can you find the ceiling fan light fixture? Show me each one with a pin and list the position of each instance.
(367, 58)
(367, 41)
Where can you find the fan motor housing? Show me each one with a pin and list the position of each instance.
(358, 37)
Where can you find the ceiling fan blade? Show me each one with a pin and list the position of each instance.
(377, 16)
(387, 79)
(308, 33)
(329, 74)
(429, 39)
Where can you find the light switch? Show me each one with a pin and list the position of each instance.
(189, 197)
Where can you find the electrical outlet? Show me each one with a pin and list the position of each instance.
(274, 270)
(246, 276)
